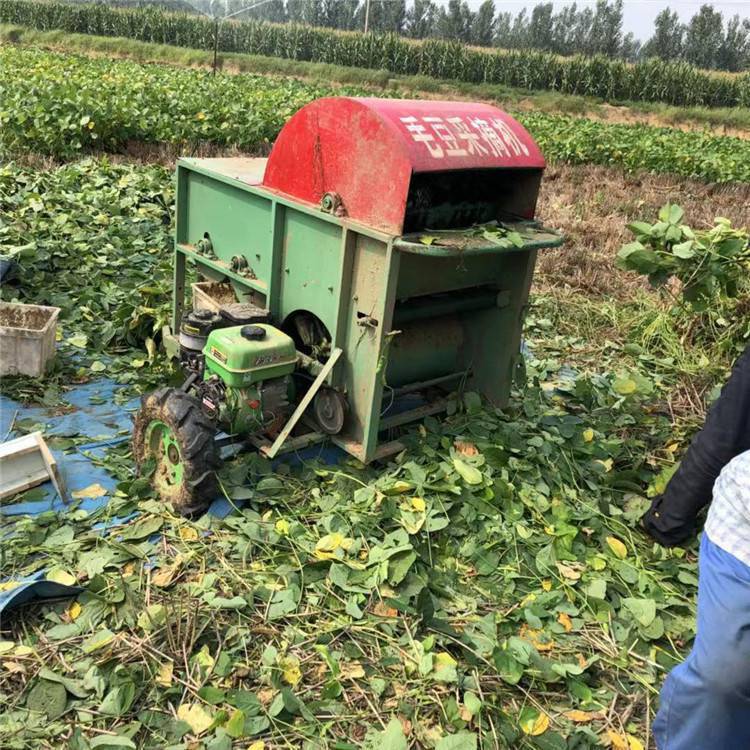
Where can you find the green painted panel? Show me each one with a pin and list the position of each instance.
(238, 222)
(373, 276)
(309, 269)
(429, 275)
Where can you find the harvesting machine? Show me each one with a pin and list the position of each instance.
(378, 260)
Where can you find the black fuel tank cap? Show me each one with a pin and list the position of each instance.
(253, 333)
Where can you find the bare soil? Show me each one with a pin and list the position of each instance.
(592, 205)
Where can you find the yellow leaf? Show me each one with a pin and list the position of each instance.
(443, 659)
(538, 639)
(564, 620)
(164, 576)
(618, 548)
(9, 585)
(23, 651)
(571, 572)
(399, 487)
(257, 745)
(93, 490)
(282, 527)
(547, 585)
(537, 726)
(325, 547)
(74, 610)
(164, 678)
(352, 671)
(188, 533)
(608, 463)
(290, 670)
(418, 504)
(583, 717)
(634, 742)
(58, 575)
(625, 386)
(6, 646)
(617, 740)
(195, 716)
(588, 435)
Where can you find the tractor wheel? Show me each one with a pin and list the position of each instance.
(171, 429)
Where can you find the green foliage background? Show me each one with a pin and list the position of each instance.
(61, 104)
(613, 80)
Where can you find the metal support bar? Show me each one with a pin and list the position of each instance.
(414, 414)
(304, 403)
(424, 384)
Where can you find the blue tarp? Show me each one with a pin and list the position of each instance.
(95, 414)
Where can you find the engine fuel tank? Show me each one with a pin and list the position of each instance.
(242, 355)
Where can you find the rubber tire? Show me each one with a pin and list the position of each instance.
(194, 433)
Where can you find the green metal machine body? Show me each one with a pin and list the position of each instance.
(393, 246)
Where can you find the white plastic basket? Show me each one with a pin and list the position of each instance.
(27, 338)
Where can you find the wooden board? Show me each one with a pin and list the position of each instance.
(26, 462)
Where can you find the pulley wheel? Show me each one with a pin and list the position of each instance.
(329, 407)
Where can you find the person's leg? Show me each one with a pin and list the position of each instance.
(705, 701)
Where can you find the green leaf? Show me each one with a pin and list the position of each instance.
(458, 741)
(48, 698)
(671, 213)
(470, 474)
(142, 528)
(684, 250)
(472, 702)
(596, 588)
(111, 740)
(391, 738)
(99, 640)
(235, 727)
(643, 610)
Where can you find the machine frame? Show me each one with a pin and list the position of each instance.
(365, 283)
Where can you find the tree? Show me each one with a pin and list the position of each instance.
(582, 32)
(503, 30)
(563, 30)
(630, 48)
(394, 16)
(420, 19)
(667, 41)
(454, 22)
(483, 26)
(519, 32)
(734, 53)
(306, 11)
(540, 31)
(704, 37)
(605, 36)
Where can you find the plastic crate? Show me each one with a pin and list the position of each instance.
(27, 338)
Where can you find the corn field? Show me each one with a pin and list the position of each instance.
(653, 80)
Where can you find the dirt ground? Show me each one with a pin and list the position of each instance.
(591, 205)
